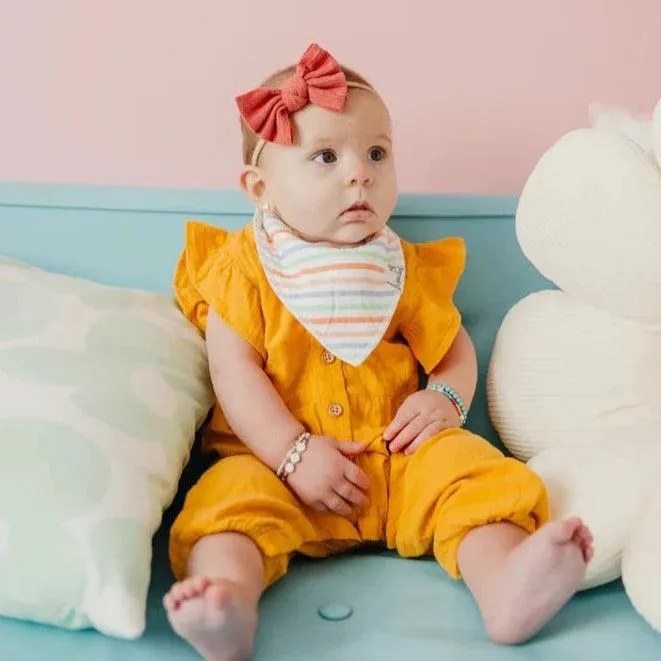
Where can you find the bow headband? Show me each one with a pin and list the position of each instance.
(318, 79)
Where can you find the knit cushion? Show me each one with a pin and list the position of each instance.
(656, 132)
(603, 485)
(565, 374)
(642, 552)
(588, 219)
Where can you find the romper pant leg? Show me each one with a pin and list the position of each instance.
(240, 494)
(453, 483)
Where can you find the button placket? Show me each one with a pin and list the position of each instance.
(332, 401)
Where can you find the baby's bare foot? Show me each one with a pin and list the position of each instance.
(214, 617)
(539, 577)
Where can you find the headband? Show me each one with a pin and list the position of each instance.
(318, 79)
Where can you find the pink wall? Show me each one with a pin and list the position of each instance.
(140, 92)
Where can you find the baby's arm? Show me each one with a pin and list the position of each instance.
(250, 403)
(426, 412)
(325, 478)
(458, 368)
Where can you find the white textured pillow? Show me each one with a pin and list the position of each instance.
(588, 219)
(102, 392)
(562, 373)
(603, 484)
(656, 132)
(640, 563)
(622, 121)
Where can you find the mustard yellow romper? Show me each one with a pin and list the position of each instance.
(419, 504)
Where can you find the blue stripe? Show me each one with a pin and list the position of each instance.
(348, 345)
(315, 294)
(297, 247)
(311, 261)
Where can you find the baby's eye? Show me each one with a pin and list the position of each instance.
(327, 156)
(377, 154)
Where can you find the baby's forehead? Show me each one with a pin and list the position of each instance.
(363, 115)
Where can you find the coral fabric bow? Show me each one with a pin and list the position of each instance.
(318, 80)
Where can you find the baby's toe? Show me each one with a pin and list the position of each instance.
(180, 592)
(168, 601)
(174, 597)
(565, 530)
(199, 584)
(217, 596)
(189, 589)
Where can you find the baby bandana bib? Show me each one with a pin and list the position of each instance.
(345, 296)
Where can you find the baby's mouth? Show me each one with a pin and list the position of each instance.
(358, 212)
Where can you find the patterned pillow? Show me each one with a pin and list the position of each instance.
(101, 392)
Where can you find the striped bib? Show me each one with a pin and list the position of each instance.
(344, 296)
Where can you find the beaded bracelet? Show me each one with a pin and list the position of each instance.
(454, 397)
(293, 457)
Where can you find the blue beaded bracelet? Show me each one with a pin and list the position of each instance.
(454, 397)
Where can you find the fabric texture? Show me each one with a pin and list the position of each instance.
(588, 219)
(574, 381)
(345, 297)
(222, 271)
(656, 131)
(318, 79)
(419, 505)
(102, 391)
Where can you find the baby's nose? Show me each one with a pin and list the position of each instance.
(360, 174)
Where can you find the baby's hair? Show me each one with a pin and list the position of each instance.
(250, 139)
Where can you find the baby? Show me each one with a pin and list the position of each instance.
(317, 317)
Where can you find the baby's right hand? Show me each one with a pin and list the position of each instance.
(326, 480)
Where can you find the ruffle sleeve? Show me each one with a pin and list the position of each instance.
(432, 320)
(209, 275)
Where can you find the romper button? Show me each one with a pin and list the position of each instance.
(335, 410)
(327, 357)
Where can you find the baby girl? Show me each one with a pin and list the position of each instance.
(317, 317)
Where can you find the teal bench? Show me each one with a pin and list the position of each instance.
(401, 608)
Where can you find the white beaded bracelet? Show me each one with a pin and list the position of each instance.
(294, 456)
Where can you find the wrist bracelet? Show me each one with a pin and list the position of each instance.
(454, 397)
(294, 456)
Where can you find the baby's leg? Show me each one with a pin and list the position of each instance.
(483, 516)
(234, 538)
(521, 581)
(215, 608)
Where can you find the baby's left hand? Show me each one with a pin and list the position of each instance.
(422, 415)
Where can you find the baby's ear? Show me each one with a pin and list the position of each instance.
(253, 184)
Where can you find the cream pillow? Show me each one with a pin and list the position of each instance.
(656, 132)
(102, 391)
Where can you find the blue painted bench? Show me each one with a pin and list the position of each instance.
(401, 608)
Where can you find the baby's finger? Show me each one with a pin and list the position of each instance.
(337, 504)
(409, 433)
(402, 418)
(428, 432)
(356, 475)
(351, 494)
(350, 448)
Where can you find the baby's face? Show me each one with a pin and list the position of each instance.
(338, 182)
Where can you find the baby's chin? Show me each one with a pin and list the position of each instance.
(356, 233)
(346, 234)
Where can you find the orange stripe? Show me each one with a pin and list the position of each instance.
(331, 281)
(334, 267)
(344, 320)
(341, 334)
